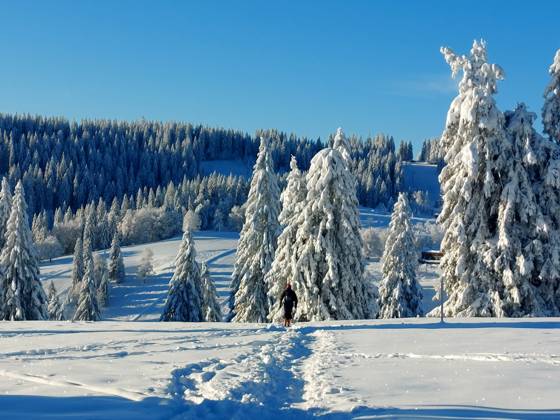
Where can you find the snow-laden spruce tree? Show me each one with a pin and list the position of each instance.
(101, 276)
(522, 231)
(400, 294)
(23, 294)
(329, 272)
(282, 271)
(257, 242)
(5, 208)
(474, 140)
(88, 307)
(184, 300)
(549, 192)
(116, 265)
(54, 306)
(77, 271)
(210, 307)
(551, 107)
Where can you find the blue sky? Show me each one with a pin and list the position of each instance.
(299, 66)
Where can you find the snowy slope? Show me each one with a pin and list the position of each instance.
(134, 300)
(368, 369)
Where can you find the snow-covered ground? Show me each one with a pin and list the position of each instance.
(364, 369)
(410, 368)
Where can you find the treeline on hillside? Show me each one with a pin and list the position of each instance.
(67, 165)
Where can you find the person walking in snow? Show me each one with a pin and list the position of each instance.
(289, 300)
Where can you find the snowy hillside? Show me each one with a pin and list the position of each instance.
(368, 369)
(135, 300)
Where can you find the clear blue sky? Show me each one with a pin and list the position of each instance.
(299, 66)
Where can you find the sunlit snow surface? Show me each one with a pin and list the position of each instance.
(406, 368)
(411, 368)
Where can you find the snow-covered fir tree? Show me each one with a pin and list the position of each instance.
(54, 306)
(329, 272)
(400, 294)
(519, 246)
(210, 307)
(5, 208)
(101, 276)
(474, 140)
(184, 300)
(88, 307)
(548, 193)
(282, 271)
(257, 242)
(23, 297)
(77, 270)
(551, 107)
(116, 265)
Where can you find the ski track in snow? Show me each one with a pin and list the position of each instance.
(129, 395)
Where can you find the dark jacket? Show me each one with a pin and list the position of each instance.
(288, 299)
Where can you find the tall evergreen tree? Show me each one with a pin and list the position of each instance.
(184, 300)
(23, 294)
(77, 270)
(88, 307)
(474, 140)
(210, 306)
(400, 294)
(551, 107)
(329, 272)
(282, 270)
(101, 276)
(116, 265)
(54, 307)
(257, 242)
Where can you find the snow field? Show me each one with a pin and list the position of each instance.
(407, 368)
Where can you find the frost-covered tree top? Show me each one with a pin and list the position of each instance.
(293, 200)
(184, 300)
(476, 155)
(329, 272)
(400, 295)
(257, 241)
(476, 89)
(293, 195)
(551, 107)
(341, 144)
(23, 294)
